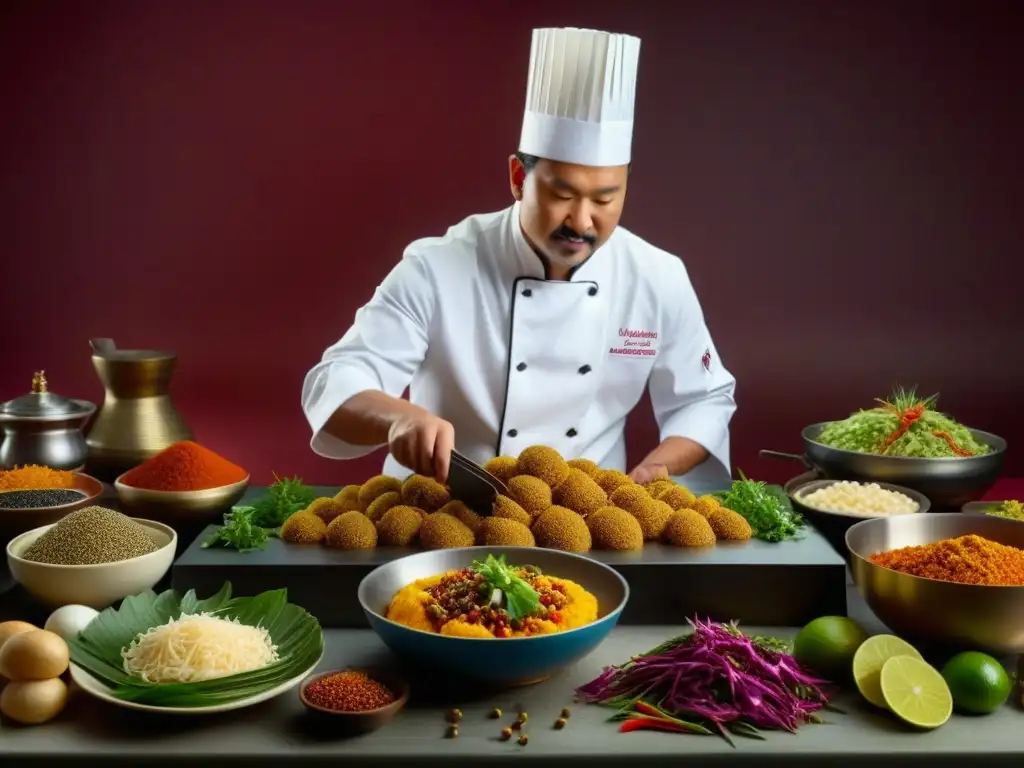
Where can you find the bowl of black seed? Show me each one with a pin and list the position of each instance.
(93, 556)
(26, 509)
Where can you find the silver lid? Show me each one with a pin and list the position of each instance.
(41, 403)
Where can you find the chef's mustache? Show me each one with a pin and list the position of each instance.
(567, 233)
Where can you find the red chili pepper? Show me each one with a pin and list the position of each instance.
(952, 444)
(650, 724)
(647, 709)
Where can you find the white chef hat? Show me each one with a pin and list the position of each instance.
(579, 96)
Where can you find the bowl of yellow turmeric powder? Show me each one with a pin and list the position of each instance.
(945, 579)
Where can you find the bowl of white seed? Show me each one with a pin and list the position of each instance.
(94, 556)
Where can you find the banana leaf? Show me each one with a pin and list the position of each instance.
(296, 633)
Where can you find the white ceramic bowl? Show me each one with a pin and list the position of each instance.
(97, 586)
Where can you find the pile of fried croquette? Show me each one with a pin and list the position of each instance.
(573, 505)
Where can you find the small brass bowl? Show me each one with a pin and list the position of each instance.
(180, 507)
(354, 723)
(14, 522)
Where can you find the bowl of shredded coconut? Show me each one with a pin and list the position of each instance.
(832, 506)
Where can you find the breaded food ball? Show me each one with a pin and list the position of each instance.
(580, 493)
(632, 498)
(377, 486)
(610, 479)
(705, 505)
(652, 517)
(425, 493)
(561, 528)
(303, 528)
(584, 465)
(463, 514)
(614, 528)
(399, 526)
(444, 531)
(658, 487)
(325, 508)
(685, 528)
(505, 507)
(503, 532)
(531, 493)
(352, 530)
(729, 525)
(543, 462)
(677, 497)
(348, 497)
(502, 467)
(382, 504)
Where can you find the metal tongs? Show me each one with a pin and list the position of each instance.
(473, 485)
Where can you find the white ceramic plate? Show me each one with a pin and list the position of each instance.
(94, 687)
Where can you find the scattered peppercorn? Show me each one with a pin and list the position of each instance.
(517, 724)
(453, 715)
(494, 714)
(453, 731)
(565, 712)
(523, 716)
(349, 691)
(560, 723)
(506, 733)
(523, 738)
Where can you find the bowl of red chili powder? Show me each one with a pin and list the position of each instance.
(354, 700)
(185, 482)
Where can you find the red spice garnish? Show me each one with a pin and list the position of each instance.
(952, 444)
(184, 466)
(555, 617)
(349, 691)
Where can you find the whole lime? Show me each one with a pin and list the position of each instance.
(978, 682)
(827, 645)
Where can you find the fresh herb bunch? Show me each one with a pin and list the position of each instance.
(521, 599)
(239, 531)
(766, 508)
(284, 498)
(249, 527)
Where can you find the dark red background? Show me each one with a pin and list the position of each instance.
(232, 179)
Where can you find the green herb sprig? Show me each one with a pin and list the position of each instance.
(239, 532)
(284, 498)
(766, 508)
(249, 527)
(521, 599)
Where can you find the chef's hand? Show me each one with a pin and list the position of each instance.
(648, 473)
(423, 443)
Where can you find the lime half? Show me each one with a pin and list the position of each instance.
(916, 692)
(869, 660)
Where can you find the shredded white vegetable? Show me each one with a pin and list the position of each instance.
(859, 499)
(197, 647)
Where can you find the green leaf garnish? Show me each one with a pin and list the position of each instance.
(766, 508)
(297, 635)
(521, 599)
(239, 531)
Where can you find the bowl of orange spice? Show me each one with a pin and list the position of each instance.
(944, 578)
(186, 483)
(354, 701)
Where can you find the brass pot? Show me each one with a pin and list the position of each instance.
(137, 419)
(44, 428)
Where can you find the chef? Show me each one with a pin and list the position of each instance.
(542, 323)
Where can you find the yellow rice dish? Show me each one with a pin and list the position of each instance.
(493, 600)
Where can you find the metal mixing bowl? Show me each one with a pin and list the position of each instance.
(960, 616)
(507, 662)
(949, 483)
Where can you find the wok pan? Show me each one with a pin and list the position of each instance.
(947, 482)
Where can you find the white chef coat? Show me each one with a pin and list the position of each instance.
(471, 326)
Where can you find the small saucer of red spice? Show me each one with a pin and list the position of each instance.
(353, 701)
(187, 478)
